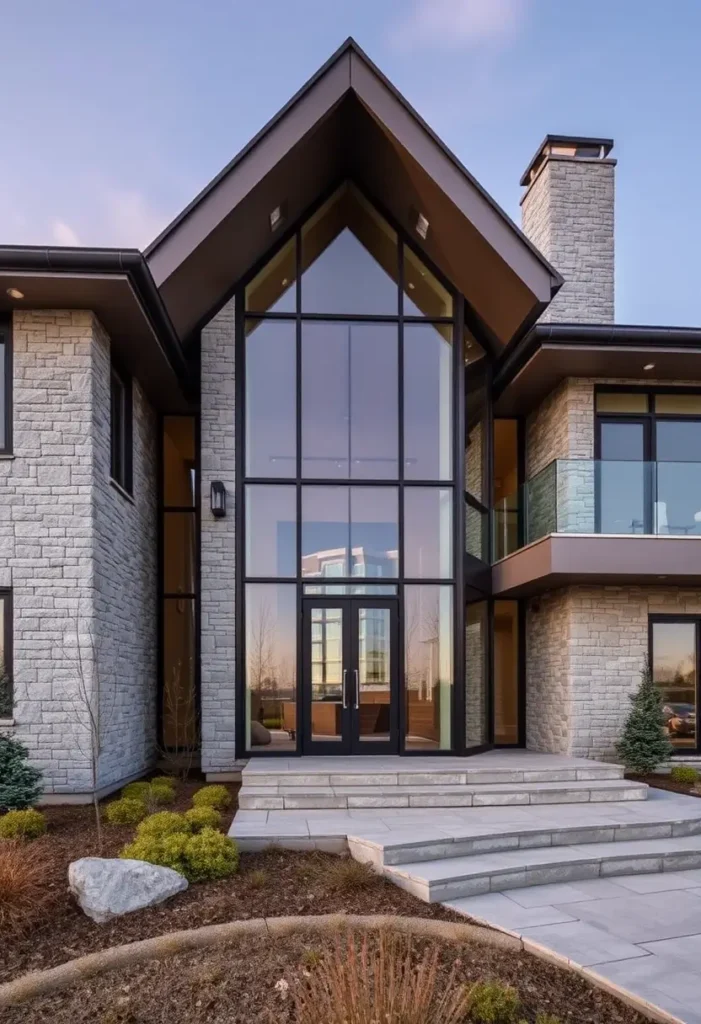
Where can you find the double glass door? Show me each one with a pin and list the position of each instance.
(350, 683)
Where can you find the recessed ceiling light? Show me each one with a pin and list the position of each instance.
(421, 226)
(285, 282)
(661, 577)
(15, 293)
(275, 218)
(411, 286)
(649, 366)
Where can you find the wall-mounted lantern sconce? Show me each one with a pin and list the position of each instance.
(217, 499)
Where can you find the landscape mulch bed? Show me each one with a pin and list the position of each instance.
(236, 984)
(660, 781)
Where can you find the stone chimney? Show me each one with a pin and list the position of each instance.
(567, 212)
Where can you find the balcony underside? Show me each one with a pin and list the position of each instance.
(563, 559)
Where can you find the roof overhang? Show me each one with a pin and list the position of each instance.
(628, 560)
(350, 122)
(117, 286)
(553, 352)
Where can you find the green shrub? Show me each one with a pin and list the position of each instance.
(493, 1003)
(547, 1018)
(212, 796)
(164, 823)
(684, 773)
(202, 817)
(201, 857)
(164, 780)
(137, 791)
(160, 795)
(126, 811)
(211, 855)
(20, 782)
(27, 824)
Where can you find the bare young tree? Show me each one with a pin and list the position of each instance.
(179, 745)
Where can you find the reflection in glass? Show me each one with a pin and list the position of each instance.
(349, 258)
(424, 295)
(621, 401)
(428, 448)
(674, 670)
(476, 532)
(325, 531)
(428, 632)
(374, 531)
(179, 552)
(428, 532)
(272, 290)
(179, 461)
(506, 672)
(179, 700)
(271, 534)
(349, 400)
(271, 659)
(678, 404)
(270, 400)
(476, 732)
(350, 531)
(678, 497)
(327, 673)
(351, 589)
(622, 478)
(505, 497)
(374, 673)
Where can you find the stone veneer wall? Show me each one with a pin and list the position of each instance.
(568, 213)
(586, 647)
(218, 553)
(58, 518)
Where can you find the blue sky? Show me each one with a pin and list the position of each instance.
(116, 113)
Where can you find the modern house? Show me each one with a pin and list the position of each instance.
(345, 462)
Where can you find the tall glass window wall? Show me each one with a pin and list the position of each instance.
(350, 346)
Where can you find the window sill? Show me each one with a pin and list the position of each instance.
(6, 723)
(6, 456)
(120, 490)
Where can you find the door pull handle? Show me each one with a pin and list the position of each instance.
(344, 704)
(357, 691)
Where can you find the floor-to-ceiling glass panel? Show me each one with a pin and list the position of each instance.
(505, 500)
(374, 673)
(374, 531)
(325, 531)
(622, 481)
(428, 639)
(428, 403)
(272, 289)
(674, 670)
(678, 484)
(349, 401)
(327, 673)
(179, 461)
(270, 400)
(506, 669)
(428, 532)
(179, 701)
(271, 666)
(179, 552)
(424, 295)
(476, 647)
(271, 530)
(349, 258)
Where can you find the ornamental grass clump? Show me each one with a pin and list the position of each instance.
(212, 796)
(20, 782)
(644, 744)
(202, 817)
(27, 825)
(25, 896)
(126, 811)
(360, 983)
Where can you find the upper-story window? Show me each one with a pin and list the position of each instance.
(120, 429)
(5, 384)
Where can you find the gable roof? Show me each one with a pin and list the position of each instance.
(349, 121)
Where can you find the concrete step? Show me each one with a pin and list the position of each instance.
(390, 848)
(434, 881)
(285, 796)
(269, 779)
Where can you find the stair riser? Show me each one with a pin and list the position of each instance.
(469, 778)
(545, 875)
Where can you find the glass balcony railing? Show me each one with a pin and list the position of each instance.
(612, 497)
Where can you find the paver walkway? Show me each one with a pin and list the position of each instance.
(642, 932)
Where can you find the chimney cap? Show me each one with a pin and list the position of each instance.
(573, 146)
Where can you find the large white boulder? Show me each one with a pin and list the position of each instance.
(107, 888)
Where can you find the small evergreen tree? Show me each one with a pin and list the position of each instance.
(644, 744)
(20, 782)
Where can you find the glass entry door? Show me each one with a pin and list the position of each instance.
(349, 676)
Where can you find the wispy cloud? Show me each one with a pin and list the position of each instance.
(129, 218)
(63, 234)
(460, 24)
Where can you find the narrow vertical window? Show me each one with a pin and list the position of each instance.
(5, 385)
(120, 429)
(6, 695)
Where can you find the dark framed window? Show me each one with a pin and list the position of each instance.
(674, 647)
(120, 429)
(6, 689)
(5, 384)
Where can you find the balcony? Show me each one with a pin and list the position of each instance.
(545, 534)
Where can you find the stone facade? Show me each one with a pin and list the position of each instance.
(568, 213)
(75, 602)
(218, 552)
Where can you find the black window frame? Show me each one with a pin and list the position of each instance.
(680, 752)
(6, 412)
(6, 599)
(121, 433)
